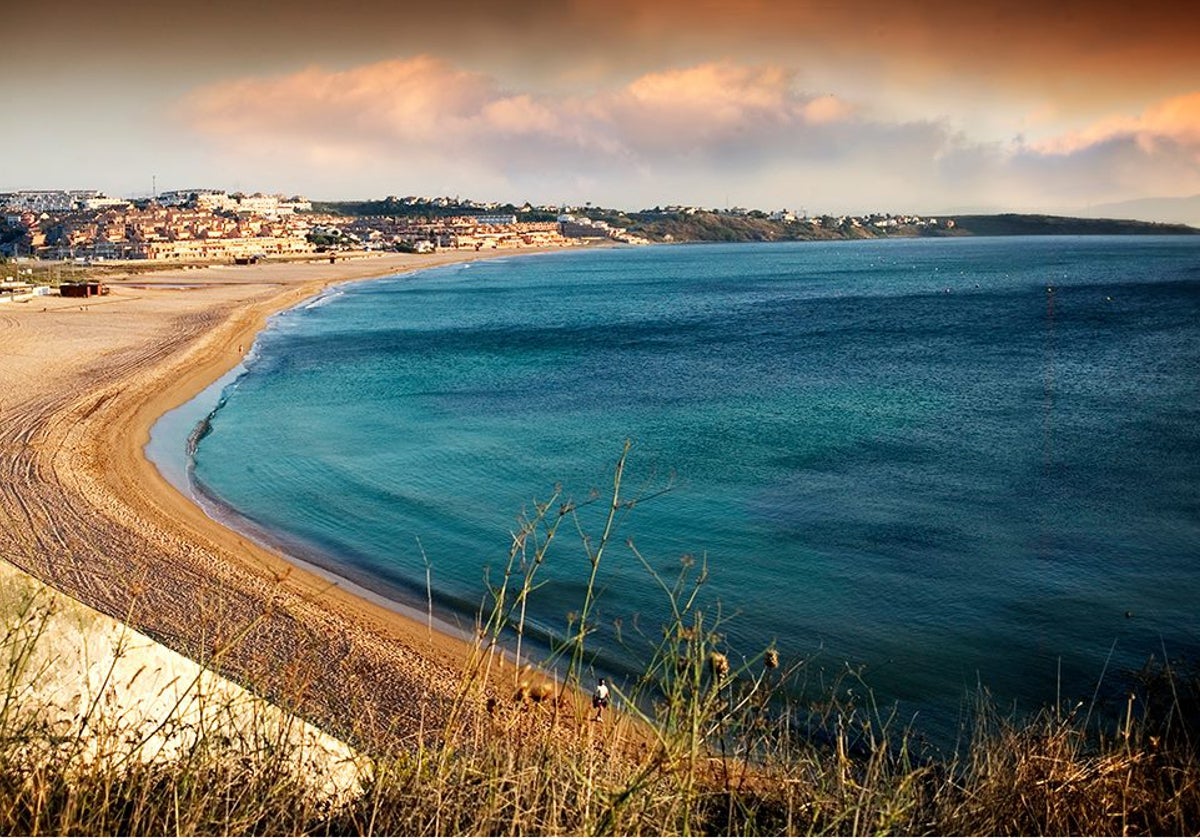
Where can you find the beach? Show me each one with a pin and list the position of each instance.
(84, 511)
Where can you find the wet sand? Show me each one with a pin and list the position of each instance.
(83, 510)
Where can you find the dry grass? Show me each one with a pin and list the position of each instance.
(706, 743)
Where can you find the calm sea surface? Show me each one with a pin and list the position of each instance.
(953, 462)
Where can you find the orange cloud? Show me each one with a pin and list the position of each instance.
(425, 106)
(721, 92)
(417, 100)
(711, 108)
(1154, 153)
(1175, 120)
(828, 109)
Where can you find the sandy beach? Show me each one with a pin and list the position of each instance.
(84, 511)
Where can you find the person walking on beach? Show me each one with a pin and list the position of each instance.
(600, 699)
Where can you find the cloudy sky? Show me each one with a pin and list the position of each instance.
(849, 106)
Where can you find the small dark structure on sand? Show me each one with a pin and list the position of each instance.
(85, 289)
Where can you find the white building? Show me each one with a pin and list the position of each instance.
(103, 203)
(48, 201)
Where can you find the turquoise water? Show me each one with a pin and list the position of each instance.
(952, 462)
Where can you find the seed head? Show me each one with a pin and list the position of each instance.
(719, 664)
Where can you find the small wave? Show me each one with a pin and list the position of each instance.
(321, 300)
(198, 434)
(204, 427)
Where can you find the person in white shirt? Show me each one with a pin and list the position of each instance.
(600, 699)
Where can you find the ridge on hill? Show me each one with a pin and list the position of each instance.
(720, 227)
(1024, 224)
(692, 224)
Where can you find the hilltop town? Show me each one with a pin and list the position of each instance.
(205, 226)
(210, 225)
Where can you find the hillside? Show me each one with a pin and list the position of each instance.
(1013, 224)
(698, 225)
(720, 227)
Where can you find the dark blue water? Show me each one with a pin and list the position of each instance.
(953, 462)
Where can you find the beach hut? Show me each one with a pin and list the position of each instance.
(84, 289)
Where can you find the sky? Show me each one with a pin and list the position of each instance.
(840, 107)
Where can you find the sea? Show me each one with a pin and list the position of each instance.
(944, 466)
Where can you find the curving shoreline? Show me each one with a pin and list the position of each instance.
(85, 511)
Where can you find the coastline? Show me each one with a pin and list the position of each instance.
(86, 511)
